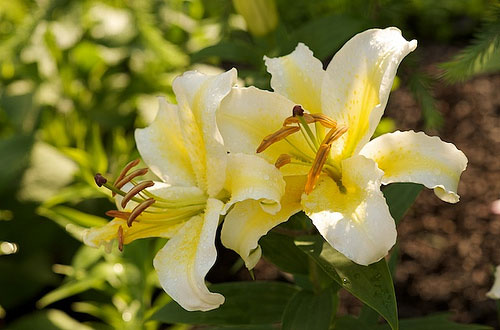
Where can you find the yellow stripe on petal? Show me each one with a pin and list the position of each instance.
(162, 147)
(247, 222)
(251, 177)
(185, 260)
(298, 76)
(419, 158)
(355, 220)
(357, 83)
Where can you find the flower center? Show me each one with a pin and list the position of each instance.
(319, 143)
(150, 208)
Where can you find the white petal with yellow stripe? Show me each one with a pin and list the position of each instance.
(419, 158)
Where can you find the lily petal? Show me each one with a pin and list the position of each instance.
(298, 76)
(494, 293)
(357, 84)
(251, 177)
(162, 147)
(356, 222)
(141, 228)
(184, 261)
(419, 158)
(247, 115)
(246, 222)
(199, 96)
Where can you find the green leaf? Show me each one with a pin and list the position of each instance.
(246, 303)
(69, 289)
(64, 215)
(371, 284)
(481, 56)
(282, 252)
(325, 35)
(307, 310)
(435, 322)
(400, 196)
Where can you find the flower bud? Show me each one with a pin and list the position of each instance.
(260, 15)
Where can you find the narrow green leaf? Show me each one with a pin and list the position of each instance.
(64, 215)
(481, 56)
(246, 303)
(371, 284)
(282, 252)
(307, 310)
(51, 319)
(69, 289)
(400, 196)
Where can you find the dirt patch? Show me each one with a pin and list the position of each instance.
(448, 251)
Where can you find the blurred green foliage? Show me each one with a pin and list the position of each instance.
(76, 78)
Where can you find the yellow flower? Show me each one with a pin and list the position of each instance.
(316, 127)
(199, 182)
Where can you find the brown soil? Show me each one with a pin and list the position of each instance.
(448, 251)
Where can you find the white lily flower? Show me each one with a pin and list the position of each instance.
(494, 293)
(341, 169)
(200, 181)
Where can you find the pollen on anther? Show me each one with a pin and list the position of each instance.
(100, 180)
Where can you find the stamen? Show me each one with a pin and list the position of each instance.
(295, 120)
(282, 160)
(321, 157)
(277, 136)
(138, 210)
(126, 169)
(324, 120)
(126, 179)
(334, 134)
(135, 190)
(120, 239)
(99, 179)
(315, 171)
(118, 214)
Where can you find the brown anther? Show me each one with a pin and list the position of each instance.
(295, 120)
(120, 239)
(135, 190)
(324, 120)
(282, 160)
(315, 171)
(126, 169)
(126, 179)
(138, 210)
(118, 214)
(277, 136)
(99, 179)
(297, 111)
(334, 134)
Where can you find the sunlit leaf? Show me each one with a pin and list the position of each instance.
(371, 284)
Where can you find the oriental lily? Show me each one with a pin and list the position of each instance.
(494, 292)
(316, 127)
(199, 182)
